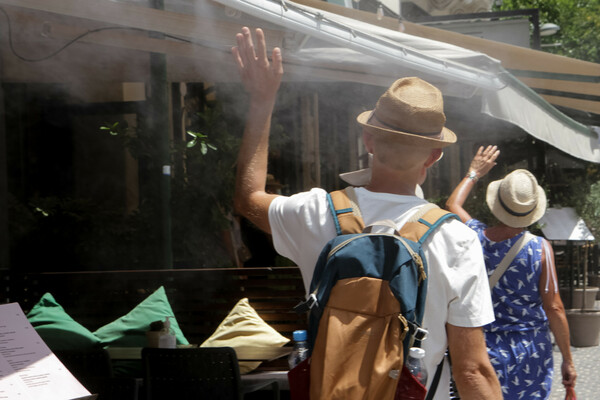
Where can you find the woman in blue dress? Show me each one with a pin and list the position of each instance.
(527, 304)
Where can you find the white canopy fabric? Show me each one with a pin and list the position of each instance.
(380, 44)
(564, 224)
(457, 71)
(518, 104)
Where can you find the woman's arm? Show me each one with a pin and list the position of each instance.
(482, 163)
(553, 306)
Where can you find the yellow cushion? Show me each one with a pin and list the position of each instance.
(244, 327)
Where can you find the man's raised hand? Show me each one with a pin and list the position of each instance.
(261, 78)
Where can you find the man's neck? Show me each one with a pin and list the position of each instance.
(393, 183)
(385, 179)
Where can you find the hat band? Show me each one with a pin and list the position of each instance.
(514, 213)
(387, 126)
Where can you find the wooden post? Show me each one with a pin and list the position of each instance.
(309, 125)
(160, 111)
(4, 247)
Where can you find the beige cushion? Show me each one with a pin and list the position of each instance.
(244, 327)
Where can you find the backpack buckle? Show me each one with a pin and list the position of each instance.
(420, 334)
(307, 305)
(417, 332)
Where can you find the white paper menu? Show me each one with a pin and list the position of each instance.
(28, 368)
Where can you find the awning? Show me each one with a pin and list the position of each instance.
(325, 45)
(562, 81)
(504, 96)
(520, 105)
(564, 224)
(388, 46)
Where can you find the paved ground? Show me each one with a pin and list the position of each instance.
(587, 363)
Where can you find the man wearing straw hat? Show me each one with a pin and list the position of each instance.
(405, 133)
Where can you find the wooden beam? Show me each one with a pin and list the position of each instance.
(512, 57)
(210, 29)
(584, 88)
(129, 15)
(133, 40)
(113, 55)
(576, 104)
(4, 231)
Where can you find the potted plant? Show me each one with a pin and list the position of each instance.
(580, 292)
(584, 322)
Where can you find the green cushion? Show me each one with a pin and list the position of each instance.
(130, 329)
(57, 328)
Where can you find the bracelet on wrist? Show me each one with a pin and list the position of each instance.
(472, 175)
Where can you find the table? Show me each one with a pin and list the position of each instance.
(244, 353)
(256, 353)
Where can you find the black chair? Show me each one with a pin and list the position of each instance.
(197, 373)
(93, 368)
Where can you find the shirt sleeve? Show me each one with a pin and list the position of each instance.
(476, 225)
(301, 225)
(463, 274)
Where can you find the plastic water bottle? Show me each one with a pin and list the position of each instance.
(300, 351)
(416, 364)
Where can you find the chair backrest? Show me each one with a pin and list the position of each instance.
(93, 368)
(86, 365)
(194, 373)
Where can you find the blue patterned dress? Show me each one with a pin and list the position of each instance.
(518, 342)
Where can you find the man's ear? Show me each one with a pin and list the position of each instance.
(434, 156)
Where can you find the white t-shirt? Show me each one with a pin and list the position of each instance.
(458, 290)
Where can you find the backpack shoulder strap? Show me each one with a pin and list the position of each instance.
(425, 220)
(348, 218)
(346, 213)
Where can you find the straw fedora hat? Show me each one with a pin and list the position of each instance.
(412, 110)
(517, 200)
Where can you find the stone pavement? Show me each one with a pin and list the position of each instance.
(587, 364)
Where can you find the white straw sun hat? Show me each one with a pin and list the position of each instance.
(517, 200)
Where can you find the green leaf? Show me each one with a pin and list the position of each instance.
(191, 143)
(44, 213)
(112, 129)
(203, 148)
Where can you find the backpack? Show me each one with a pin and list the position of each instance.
(366, 302)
